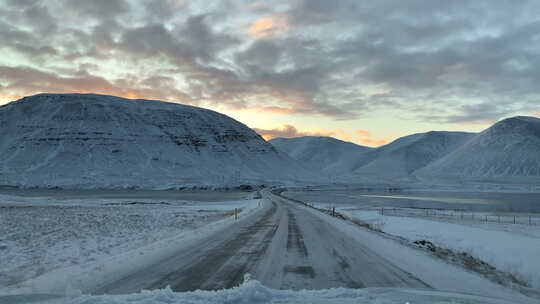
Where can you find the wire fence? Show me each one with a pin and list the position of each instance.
(463, 215)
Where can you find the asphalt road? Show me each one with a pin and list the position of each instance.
(284, 247)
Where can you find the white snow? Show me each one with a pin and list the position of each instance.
(46, 243)
(511, 248)
(508, 151)
(252, 292)
(98, 141)
(400, 158)
(349, 162)
(326, 154)
(505, 153)
(424, 267)
(63, 284)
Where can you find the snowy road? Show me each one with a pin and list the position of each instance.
(284, 246)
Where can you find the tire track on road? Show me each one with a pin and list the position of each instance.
(225, 265)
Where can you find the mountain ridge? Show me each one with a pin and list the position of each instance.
(101, 141)
(400, 158)
(323, 153)
(509, 149)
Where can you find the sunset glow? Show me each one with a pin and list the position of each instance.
(267, 27)
(316, 68)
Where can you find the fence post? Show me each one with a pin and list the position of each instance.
(514, 219)
(486, 218)
(235, 213)
(333, 211)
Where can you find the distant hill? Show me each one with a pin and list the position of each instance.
(98, 141)
(400, 158)
(507, 151)
(325, 154)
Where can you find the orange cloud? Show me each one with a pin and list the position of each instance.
(366, 138)
(269, 26)
(343, 135)
(276, 110)
(537, 114)
(361, 137)
(289, 131)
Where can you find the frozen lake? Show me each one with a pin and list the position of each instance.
(470, 201)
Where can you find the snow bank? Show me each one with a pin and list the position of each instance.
(253, 292)
(511, 248)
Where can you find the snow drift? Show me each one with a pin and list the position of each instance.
(98, 141)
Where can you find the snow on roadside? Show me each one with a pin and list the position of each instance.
(506, 247)
(438, 274)
(44, 237)
(253, 292)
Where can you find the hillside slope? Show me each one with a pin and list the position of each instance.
(400, 158)
(507, 151)
(322, 153)
(89, 141)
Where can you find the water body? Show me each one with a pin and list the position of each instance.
(189, 195)
(467, 201)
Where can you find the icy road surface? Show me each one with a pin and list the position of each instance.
(285, 248)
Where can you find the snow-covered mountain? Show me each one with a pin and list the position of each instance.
(395, 161)
(322, 153)
(87, 140)
(507, 151)
(400, 158)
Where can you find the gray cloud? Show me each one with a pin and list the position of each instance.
(98, 8)
(21, 79)
(445, 61)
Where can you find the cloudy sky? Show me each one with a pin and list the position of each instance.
(363, 71)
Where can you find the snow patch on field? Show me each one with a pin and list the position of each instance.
(59, 239)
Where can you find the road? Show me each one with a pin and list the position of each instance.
(284, 247)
